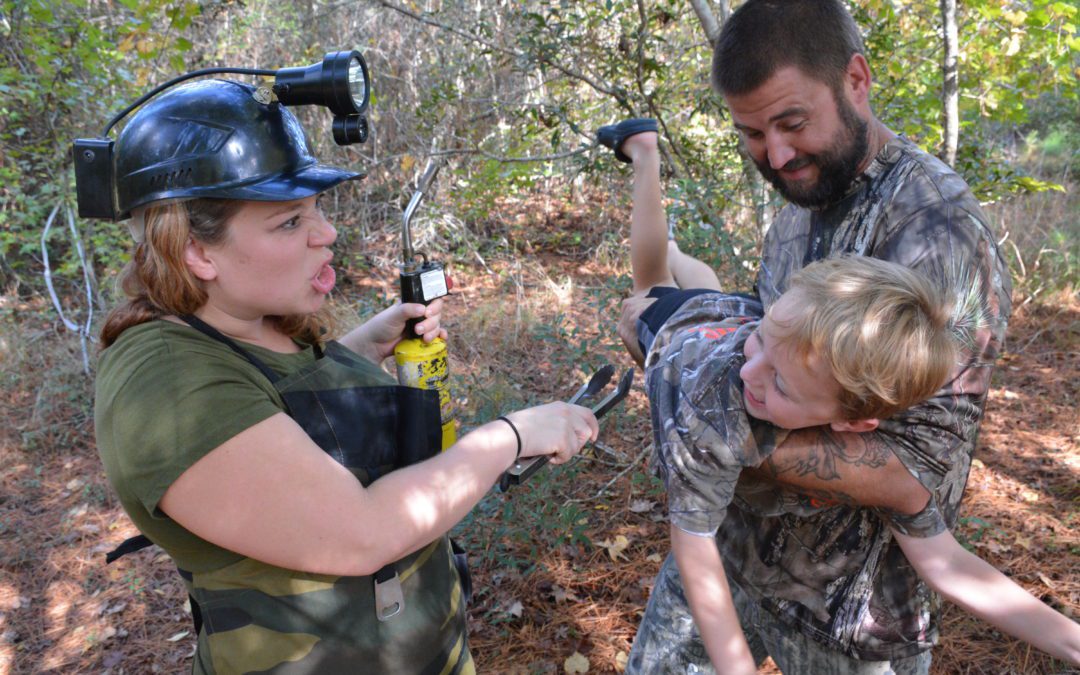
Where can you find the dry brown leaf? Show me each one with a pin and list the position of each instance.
(642, 505)
(562, 595)
(615, 548)
(576, 663)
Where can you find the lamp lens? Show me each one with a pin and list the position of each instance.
(357, 83)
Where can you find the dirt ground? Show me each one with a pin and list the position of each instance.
(562, 567)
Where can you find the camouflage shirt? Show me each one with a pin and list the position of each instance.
(701, 433)
(834, 572)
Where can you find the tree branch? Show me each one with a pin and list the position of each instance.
(569, 72)
(708, 20)
(499, 158)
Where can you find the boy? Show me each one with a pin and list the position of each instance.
(852, 341)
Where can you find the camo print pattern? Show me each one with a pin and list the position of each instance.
(659, 648)
(258, 618)
(834, 573)
(701, 433)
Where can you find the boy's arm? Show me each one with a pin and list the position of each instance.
(980, 589)
(710, 602)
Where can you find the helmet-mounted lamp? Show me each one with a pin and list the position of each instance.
(339, 82)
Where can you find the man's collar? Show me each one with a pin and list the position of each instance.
(885, 157)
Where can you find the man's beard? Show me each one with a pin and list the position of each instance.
(837, 165)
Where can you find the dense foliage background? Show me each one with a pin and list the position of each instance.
(532, 219)
(495, 83)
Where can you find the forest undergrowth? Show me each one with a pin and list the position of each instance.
(563, 565)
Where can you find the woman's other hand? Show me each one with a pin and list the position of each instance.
(376, 338)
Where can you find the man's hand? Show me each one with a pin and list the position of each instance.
(632, 308)
(844, 468)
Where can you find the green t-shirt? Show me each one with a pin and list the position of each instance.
(166, 395)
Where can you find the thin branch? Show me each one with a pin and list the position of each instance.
(569, 72)
(499, 158)
(600, 493)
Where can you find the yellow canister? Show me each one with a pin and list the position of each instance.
(427, 366)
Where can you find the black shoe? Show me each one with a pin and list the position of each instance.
(613, 135)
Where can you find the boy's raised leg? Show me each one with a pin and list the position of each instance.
(648, 224)
(688, 271)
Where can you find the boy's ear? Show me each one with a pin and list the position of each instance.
(856, 426)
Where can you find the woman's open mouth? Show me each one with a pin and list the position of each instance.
(324, 281)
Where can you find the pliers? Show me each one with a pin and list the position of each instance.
(523, 468)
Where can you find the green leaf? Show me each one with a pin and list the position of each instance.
(39, 12)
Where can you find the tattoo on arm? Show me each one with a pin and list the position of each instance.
(821, 450)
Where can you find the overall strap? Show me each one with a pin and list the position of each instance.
(129, 545)
(211, 332)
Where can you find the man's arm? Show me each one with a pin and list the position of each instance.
(710, 602)
(977, 587)
(844, 468)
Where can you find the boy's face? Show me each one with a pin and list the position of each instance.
(779, 385)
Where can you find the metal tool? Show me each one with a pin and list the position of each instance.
(424, 364)
(524, 468)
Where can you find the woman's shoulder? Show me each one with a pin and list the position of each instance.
(160, 335)
(167, 351)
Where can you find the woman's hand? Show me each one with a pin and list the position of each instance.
(556, 429)
(376, 338)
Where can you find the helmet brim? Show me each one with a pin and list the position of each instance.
(310, 180)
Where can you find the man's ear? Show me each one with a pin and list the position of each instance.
(856, 426)
(198, 262)
(857, 80)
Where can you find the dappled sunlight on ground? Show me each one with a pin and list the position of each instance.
(562, 566)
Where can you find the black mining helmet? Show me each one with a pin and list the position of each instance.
(223, 139)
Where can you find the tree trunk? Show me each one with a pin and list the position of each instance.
(950, 88)
(708, 19)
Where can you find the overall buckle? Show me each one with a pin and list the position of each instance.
(389, 600)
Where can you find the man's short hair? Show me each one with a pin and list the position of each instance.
(819, 37)
(883, 330)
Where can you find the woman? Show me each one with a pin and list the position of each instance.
(300, 493)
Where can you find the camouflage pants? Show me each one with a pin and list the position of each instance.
(667, 642)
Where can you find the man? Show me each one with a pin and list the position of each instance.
(818, 582)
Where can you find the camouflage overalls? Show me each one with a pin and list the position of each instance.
(825, 588)
(257, 618)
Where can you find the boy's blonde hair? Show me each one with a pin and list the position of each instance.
(883, 330)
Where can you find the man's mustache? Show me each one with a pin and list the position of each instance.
(796, 164)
